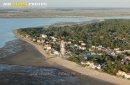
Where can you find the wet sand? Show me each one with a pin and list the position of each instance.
(33, 54)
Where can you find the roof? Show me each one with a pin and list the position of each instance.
(120, 71)
(91, 61)
(128, 73)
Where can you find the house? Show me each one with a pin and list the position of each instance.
(53, 38)
(113, 53)
(83, 44)
(75, 45)
(93, 48)
(79, 47)
(126, 50)
(83, 48)
(91, 64)
(108, 51)
(100, 53)
(33, 40)
(48, 47)
(68, 51)
(127, 75)
(80, 41)
(69, 42)
(44, 36)
(93, 54)
(38, 41)
(119, 52)
(120, 73)
(116, 49)
(99, 47)
(98, 66)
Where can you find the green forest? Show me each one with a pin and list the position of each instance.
(113, 33)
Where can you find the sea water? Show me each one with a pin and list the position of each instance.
(7, 25)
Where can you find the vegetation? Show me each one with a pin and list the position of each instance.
(110, 33)
(74, 12)
(30, 31)
(75, 59)
(113, 33)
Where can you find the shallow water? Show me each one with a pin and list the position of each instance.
(7, 25)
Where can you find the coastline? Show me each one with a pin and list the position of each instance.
(34, 55)
(83, 72)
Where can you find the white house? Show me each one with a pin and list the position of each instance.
(98, 66)
(91, 64)
(34, 40)
(44, 36)
(48, 47)
(69, 42)
(83, 48)
(80, 41)
(116, 49)
(120, 73)
(75, 45)
(38, 41)
(127, 75)
(53, 38)
(83, 44)
(126, 50)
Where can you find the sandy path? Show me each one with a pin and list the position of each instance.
(33, 55)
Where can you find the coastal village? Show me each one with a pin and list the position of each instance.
(57, 47)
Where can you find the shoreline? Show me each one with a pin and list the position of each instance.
(76, 67)
(35, 55)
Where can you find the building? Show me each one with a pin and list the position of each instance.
(34, 40)
(91, 64)
(83, 44)
(120, 73)
(116, 49)
(38, 41)
(62, 47)
(44, 36)
(83, 48)
(93, 48)
(48, 47)
(127, 75)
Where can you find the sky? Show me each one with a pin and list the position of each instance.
(76, 3)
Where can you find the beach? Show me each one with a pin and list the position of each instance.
(34, 55)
